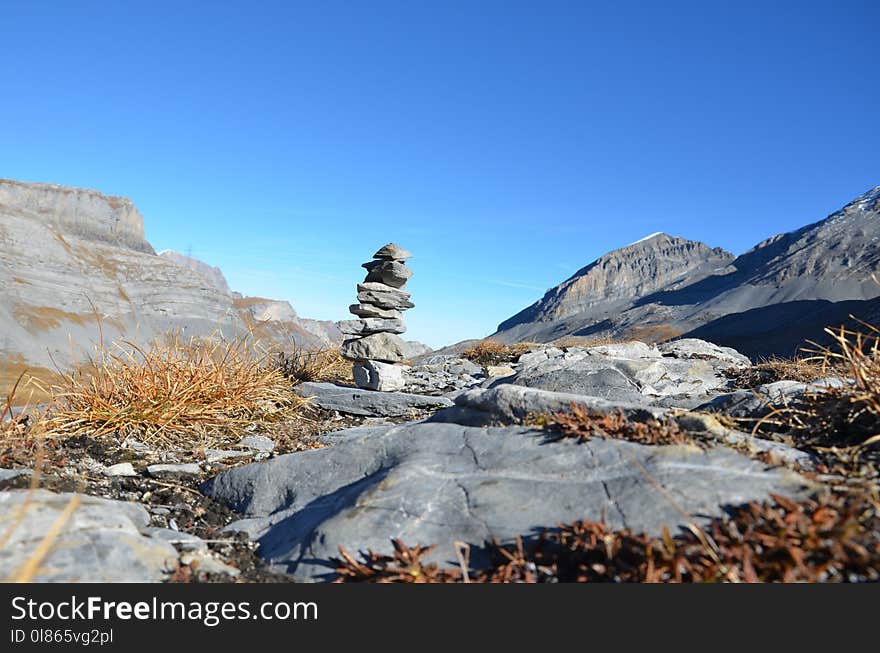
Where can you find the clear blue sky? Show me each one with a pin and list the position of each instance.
(506, 144)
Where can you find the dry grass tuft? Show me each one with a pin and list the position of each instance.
(301, 365)
(830, 539)
(804, 369)
(22, 431)
(584, 425)
(492, 352)
(848, 416)
(567, 342)
(174, 393)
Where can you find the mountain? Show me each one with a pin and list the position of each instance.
(72, 258)
(766, 301)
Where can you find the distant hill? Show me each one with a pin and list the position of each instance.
(767, 301)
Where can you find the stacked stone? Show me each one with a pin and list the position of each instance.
(373, 342)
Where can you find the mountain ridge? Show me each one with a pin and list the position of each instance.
(830, 260)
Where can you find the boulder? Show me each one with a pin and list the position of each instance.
(385, 347)
(434, 483)
(391, 273)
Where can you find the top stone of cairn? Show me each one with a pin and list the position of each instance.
(392, 252)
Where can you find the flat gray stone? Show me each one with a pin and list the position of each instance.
(101, 542)
(368, 325)
(387, 300)
(369, 310)
(432, 483)
(385, 347)
(354, 401)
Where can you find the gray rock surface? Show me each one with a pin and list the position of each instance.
(103, 541)
(433, 483)
(355, 401)
(385, 347)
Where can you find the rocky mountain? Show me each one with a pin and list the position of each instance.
(71, 258)
(766, 301)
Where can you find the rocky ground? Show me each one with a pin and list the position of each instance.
(642, 438)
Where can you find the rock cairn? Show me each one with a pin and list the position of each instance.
(373, 343)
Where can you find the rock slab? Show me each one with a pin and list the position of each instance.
(441, 483)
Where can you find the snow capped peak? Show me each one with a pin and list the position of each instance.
(641, 240)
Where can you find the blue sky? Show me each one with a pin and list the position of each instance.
(506, 144)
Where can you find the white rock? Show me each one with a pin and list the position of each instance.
(121, 469)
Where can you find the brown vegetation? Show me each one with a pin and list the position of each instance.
(584, 425)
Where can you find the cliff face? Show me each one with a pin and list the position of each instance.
(766, 301)
(658, 262)
(71, 258)
(77, 212)
(213, 274)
